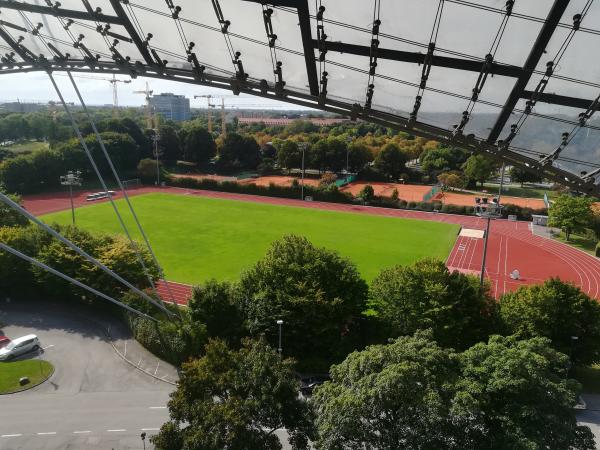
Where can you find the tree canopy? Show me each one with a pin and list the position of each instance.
(9, 217)
(413, 394)
(318, 294)
(571, 213)
(236, 400)
(478, 168)
(556, 310)
(198, 145)
(428, 295)
(390, 161)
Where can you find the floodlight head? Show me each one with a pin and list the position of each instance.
(279, 322)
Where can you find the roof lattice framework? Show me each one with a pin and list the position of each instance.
(517, 80)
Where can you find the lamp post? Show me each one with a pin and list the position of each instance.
(71, 179)
(489, 211)
(349, 140)
(279, 349)
(143, 436)
(302, 146)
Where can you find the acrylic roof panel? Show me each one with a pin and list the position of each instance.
(463, 72)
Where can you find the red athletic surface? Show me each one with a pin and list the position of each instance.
(511, 245)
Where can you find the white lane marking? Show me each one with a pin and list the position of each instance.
(47, 433)
(48, 346)
(81, 432)
(11, 435)
(150, 429)
(158, 407)
(116, 431)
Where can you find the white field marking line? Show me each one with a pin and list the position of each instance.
(158, 407)
(475, 242)
(125, 351)
(506, 257)
(150, 429)
(499, 255)
(48, 346)
(11, 435)
(116, 431)
(81, 432)
(47, 433)
(462, 254)
(156, 370)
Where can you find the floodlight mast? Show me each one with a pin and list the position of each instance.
(71, 179)
(489, 211)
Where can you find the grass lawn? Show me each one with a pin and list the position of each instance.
(515, 190)
(36, 369)
(26, 146)
(197, 238)
(581, 242)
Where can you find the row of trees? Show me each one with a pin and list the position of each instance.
(460, 370)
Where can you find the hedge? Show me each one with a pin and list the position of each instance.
(598, 249)
(333, 195)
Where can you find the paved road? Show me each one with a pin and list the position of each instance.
(94, 400)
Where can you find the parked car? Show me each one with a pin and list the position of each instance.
(4, 341)
(19, 346)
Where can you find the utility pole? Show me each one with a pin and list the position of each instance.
(71, 179)
(489, 211)
(280, 349)
(155, 139)
(303, 146)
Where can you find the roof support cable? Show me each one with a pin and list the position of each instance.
(49, 269)
(122, 188)
(102, 182)
(187, 45)
(486, 70)
(6, 200)
(236, 60)
(427, 64)
(591, 176)
(373, 53)
(272, 44)
(321, 38)
(550, 67)
(567, 137)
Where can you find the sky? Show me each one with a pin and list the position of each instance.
(36, 87)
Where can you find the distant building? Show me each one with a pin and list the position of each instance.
(171, 107)
(270, 121)
(21, 107)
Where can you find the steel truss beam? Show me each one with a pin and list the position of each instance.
(538, 49)
(137, 40)
(562, 100)
(60, 12)
(256, 88)
(471, 65)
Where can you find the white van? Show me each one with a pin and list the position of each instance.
(19, 346)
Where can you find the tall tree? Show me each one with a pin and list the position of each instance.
(198, 145)
(318, 294)
(238, 153)
(236, 400)
(479, 168)
(514, 394)
(169, 145)
(524, 176)
(558, 311)
(388, 397)
(359, 156)
(571, 213)
(288, 154)
(390, 161)
(428, 295)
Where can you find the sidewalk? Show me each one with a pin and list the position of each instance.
(135, 354)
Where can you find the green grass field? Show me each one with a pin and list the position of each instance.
(37, 370)
(197, 238)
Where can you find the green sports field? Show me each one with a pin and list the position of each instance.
(197, 238)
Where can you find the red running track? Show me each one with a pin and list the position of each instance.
(512, 245)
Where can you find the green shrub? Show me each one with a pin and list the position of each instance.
(598, 249)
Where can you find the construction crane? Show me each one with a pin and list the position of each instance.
(113, 81)
(209, 106)
(150, 122)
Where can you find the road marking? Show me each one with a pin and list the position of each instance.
(81, 432)
(47, 433)
(158, 407)
(115, 431)
(48, 346)
(150, 429)
(11, 435)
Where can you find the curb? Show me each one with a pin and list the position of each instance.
(107, 332)
(32, 386)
